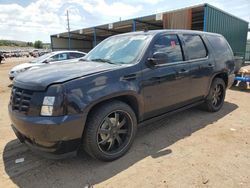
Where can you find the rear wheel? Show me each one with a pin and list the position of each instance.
(110, 131)
(216, 96)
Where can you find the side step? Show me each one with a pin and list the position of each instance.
(157, 118)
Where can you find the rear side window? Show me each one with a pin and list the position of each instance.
(194, 47)
(73, 55)
(170, 45)
(219, 45)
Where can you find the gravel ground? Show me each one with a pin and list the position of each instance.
(189, 149)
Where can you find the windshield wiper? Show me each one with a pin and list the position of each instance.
(102, 60)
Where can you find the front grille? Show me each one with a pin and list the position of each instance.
(20, 100)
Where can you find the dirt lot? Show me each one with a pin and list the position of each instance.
(189, 149)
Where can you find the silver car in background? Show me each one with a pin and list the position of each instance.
(50, 58)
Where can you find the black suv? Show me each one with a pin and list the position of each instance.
(97, 103)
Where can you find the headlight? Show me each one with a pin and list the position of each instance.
(53, 102)
(47, 107)
(22, 70)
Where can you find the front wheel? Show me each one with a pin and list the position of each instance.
(216, 96)
(110, 131)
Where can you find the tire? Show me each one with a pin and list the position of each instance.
(110, 131)
(243, 85)
(215, 99)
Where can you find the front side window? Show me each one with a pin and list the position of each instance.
(170, 45)
(41, 58)
(195, 47)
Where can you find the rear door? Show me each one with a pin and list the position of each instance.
(201, 64)
(166, 86)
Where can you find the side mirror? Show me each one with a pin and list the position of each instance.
(48, 60)
(158, 58)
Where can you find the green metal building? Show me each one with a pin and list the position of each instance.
(203, 17)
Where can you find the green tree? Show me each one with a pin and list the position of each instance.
(29, 44)
(38, 44)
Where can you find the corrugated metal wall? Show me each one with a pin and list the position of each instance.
(181, 19)
(62, 44)
(233, 29)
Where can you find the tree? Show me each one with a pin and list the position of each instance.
(29, 44)
(38, 44)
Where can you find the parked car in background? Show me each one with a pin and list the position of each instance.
(125, 80)
(34, 53)
(50, 58)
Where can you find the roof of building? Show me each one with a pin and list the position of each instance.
(150, 21)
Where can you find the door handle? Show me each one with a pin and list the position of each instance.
(183, 71)
(210, 65)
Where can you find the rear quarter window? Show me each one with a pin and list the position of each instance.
(73, 55)
(220, 45)
(195, 47)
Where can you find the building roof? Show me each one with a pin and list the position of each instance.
(103, 31)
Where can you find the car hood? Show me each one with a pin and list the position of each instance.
(25, 65)
(40, 79)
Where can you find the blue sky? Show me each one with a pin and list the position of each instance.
(30, 20)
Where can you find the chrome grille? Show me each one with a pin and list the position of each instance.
(20, 100)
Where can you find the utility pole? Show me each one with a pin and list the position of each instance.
(68, 30)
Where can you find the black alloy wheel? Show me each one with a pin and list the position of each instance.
(110, 130)
(218, 93)
(114, 132)
(215, 99)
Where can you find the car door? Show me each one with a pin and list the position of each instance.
(165, 86)
(201, 64)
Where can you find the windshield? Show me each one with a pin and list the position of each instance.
(118, 50)
(41, 58)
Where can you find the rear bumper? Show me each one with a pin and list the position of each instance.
(54, 137)
(230, 80)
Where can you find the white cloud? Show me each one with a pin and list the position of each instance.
(115, 9)
(152, 2)
(31, 22)
(42, 18)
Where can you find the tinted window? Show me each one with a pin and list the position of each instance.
(60, 57)
(194, 47)
(73, 55)
(219, 45)
(170, 45)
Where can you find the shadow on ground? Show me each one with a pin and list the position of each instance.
(236, 88)
(152, 140)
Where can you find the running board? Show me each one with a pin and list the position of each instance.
(157, 118)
